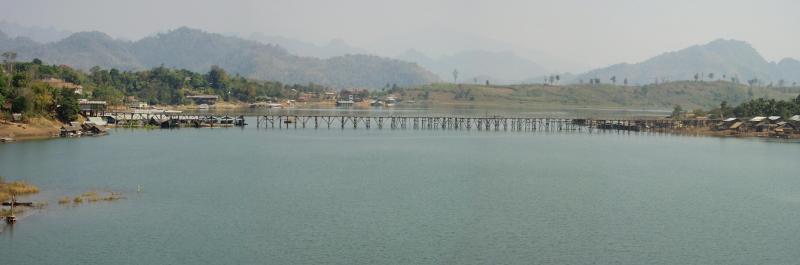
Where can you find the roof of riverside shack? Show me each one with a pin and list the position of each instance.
(730, 119)
(757, 119)
(795, 118)
(774, 118)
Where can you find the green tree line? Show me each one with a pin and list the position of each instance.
(23, 90)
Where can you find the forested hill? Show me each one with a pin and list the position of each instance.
(197, 50)
(719, 59)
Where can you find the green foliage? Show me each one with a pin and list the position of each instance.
(21, 103)
(677, 112)
(159, 85)
(68, 107)
(768, 107)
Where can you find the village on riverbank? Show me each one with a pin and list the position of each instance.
(44, 101)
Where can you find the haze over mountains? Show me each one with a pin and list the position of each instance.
(722, 58)
(197, 50)
(340, 64)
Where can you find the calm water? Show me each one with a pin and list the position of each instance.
(248, 196)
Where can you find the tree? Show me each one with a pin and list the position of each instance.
(711, 76)
(487, 82)
(68, 108)
(794, 84)
(613, 79)
(724, 109)
(558, 79)
(696, 77)
(625, 81)
(36, 61)
(455, 76)
(781, 83)
(677, 112)
(218, 78)
(21, 104)
(8, 59)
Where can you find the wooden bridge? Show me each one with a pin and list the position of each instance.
(366, 121)
(495, 123)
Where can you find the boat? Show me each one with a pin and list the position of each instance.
(391, 101)
(11, 219)
(344, 103)
(239, 121)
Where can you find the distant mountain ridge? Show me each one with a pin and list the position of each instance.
(336, 47)
(724, 58)
(197, 50)
(38, 34)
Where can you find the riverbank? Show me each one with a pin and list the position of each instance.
(36, 128)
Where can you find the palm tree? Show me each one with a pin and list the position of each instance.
(455, 75)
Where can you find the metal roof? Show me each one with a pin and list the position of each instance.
(757, 119)
(795, 118)
(729, 119)
(774, 118)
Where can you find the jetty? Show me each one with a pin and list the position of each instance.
(172, 120)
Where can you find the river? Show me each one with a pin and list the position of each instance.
(333, 196)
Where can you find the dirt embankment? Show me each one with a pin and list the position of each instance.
(35, 128)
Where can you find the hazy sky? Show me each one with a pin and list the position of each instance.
(593, 33)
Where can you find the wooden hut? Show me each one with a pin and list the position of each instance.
(70, 130)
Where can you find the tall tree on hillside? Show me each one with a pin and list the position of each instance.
(455, 76)
(677, 112)
(8, 59)
(217, 77)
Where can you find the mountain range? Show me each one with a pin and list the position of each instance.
(725, 59)
(38, 34)
(339, 64)
(334, 48)
(197, 50)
